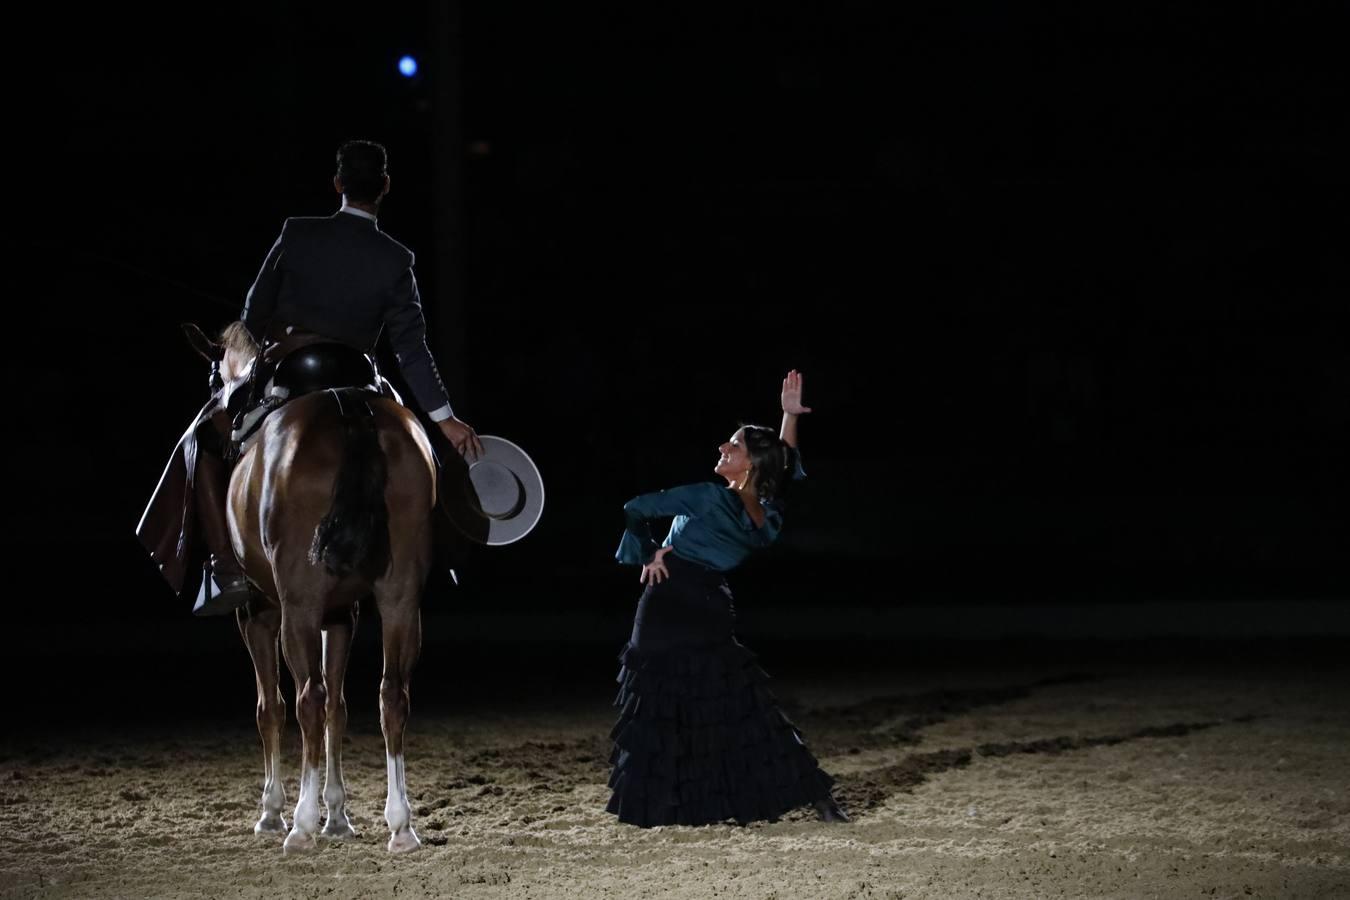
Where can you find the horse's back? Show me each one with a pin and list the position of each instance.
(303, 443)
(286, 483)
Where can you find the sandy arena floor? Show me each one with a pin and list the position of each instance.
(1115, 781)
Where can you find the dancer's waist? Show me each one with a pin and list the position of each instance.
(692, 568)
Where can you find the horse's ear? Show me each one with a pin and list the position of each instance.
(207, 348)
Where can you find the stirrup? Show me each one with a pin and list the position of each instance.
(221, 595)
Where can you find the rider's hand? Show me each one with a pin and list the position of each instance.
(462, 437)
(655, 572)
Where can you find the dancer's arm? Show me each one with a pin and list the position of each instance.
(638, 546)
(791, 400)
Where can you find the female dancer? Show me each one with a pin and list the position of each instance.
(700, 738)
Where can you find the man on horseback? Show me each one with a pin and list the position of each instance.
(326, 290)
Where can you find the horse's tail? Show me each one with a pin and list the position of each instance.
(355, 533)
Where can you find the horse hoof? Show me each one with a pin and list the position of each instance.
(271, 824)
(339, 831)
(299, 842)
(404, 842)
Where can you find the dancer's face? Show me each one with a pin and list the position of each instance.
(734, 463)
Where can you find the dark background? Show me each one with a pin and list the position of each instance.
(1067, 281)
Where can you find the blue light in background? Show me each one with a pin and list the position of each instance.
(407, 66)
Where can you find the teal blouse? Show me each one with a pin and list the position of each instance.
(711, 525)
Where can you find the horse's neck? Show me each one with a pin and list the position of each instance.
(237, 382)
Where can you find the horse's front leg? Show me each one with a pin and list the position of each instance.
(337, 642)
(259, 624)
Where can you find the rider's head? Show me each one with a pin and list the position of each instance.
(361, 177)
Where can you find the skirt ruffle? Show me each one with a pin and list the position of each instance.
(700, 740)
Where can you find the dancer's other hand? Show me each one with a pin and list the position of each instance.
(655, 572)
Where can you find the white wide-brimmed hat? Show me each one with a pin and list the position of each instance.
(499, 498)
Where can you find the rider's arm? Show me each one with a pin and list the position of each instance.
(261, 301)
(408, 338)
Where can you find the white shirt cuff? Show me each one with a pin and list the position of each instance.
(440, 415)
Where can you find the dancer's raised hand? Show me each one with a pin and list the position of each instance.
(792, 394)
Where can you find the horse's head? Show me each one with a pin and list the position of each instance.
(234, 351)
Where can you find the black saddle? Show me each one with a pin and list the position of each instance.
(306, 369)
(318, 367)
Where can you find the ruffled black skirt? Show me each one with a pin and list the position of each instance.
(700, 738)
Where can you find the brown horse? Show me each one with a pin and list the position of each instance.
(330, 505)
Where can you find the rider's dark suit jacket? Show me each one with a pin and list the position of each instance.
(343, 278)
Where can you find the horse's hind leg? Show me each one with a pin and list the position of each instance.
(337, 643)
(302, 644)
(402, 617)
(259, 624)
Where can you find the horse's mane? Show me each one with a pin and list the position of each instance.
(236, 339)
